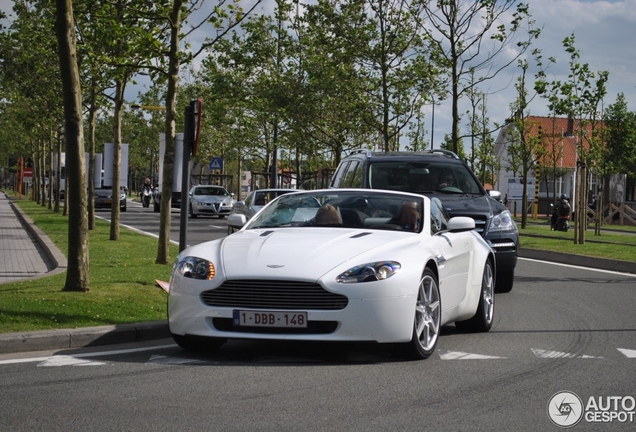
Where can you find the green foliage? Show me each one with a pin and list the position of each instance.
(620, 137)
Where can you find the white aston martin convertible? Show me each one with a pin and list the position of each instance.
(336, 265)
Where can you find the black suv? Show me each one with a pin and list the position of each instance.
(441, 174)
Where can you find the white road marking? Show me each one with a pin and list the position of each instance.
(63, 360)
(558, 354)
(458, 355)
(579, 267)
(627, 352)
(88, 354)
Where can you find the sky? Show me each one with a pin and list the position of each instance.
(604, 34)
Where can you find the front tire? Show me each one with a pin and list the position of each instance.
(427, 322)
(191, 213)
(482, 320)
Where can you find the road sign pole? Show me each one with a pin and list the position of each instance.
(188, 141)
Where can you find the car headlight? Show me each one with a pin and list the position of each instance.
(502, 222)
(370, 272)
(196, 268)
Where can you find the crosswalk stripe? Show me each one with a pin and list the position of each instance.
(627, 352)
(558, 354)
(458, 355)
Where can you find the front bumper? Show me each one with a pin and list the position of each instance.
(383, 320)
(506, 248)
(211, 209)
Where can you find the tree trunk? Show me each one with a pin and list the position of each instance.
(163, 248)
(77, 275)
(114, 209)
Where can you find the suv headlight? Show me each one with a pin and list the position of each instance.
(502, 222)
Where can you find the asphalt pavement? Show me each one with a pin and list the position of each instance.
(26, 253)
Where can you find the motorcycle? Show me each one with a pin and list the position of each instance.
(560, 222)
(146, 195)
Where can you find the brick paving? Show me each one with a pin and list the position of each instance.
(21, 256)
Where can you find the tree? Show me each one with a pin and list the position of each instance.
(620, 137)
(170, 60)
(460, 30)
(580, 100)
(526, 147)
(77, 276)
(398, 65)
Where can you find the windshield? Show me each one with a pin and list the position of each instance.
(423, 177)
(211, 191)
(347, 209)
(262, 197)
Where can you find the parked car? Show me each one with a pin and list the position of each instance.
(209, 200)
(254, 201)
(440, 174)
(104, 199)
(336, 265)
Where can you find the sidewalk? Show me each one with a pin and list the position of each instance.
(26, 252)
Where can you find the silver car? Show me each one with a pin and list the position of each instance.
(210, 200)
(253, 202)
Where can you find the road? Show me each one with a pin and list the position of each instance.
(201, 229)
(560, 329)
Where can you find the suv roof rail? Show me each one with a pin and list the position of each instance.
(369, 153)
(358, 151)
(446, 152)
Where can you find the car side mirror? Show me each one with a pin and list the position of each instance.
(236, 220)
(495, 194)
(461, 223)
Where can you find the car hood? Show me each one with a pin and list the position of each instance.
(212, 198)
(472, 205)
(105, 193)
(306, 253)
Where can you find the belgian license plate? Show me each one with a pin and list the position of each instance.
(108, 201)
(270, 319)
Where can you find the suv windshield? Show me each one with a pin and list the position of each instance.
(422, 177)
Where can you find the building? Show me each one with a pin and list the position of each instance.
(560, 138)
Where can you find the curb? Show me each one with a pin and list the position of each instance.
(82, 337)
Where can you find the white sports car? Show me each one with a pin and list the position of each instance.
(336, 265)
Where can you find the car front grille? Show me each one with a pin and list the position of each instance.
(273, 294)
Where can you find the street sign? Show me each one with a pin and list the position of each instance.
(216, 163)
(28, 172)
